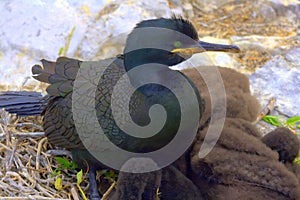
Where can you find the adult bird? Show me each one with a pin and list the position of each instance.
(159, 42)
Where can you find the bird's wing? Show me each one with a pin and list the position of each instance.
(58, 117)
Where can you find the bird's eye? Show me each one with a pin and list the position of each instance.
(177, 44)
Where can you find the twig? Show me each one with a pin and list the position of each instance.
(5, 147)
(2, 130)
(59, 152)
(27, 124)
(282, 113)
(266, 110)
(25, 173)
(14, 174)
(25, 81)
(25, 134)
(5, 118)
(38, 153)
(43, 190)
(8, 166)
(107, 193)
(74, 193)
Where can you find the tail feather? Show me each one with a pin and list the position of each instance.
(43, 73)
(60, 75)
(23, 103)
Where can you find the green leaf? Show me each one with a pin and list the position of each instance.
(298, 126)
(297, 160)
(79, 177)
(60, 51)
(292, 120)
(56, 172)
(58, 183)
(272, 120)
(65, 163)
(73, 166)
(111, 174)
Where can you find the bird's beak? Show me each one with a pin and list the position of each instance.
(205, 46)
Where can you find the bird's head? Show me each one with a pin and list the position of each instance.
(166, 41)
(284, 142)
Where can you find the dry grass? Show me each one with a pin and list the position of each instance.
(27, 163)
(241, 18)
(26, 168)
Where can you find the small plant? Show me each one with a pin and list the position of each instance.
(111, 174)
(79, 177)
(292, 123)
(63, 50)
(297, 160)
(63, 165)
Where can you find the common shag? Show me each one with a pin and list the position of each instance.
(164, 41)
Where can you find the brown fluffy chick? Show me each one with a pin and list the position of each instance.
(287, 145)
(176, 186)
(240, 166)
(239, 102)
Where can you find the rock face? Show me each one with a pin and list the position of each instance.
(96, 29)
(280, 78)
